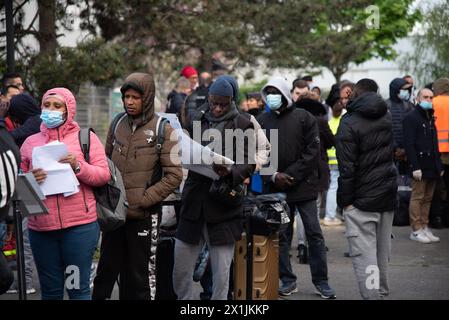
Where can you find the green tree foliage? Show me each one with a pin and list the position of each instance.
(91, 61)
(164, 35)
(342, 32)
(429, 59)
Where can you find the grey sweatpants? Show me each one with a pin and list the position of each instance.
(186, 255)
(369, 238)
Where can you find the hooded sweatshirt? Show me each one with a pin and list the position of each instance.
(80, 208)
(133, 150)
(280, 84)
(25, 110)
(398, 109)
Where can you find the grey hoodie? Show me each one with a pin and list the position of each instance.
(282, 85)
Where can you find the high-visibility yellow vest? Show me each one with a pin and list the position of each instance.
(331, 153)
(441, 107)
(9, 253)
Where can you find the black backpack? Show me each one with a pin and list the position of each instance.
(110, 198)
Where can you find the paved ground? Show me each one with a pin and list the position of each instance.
(417, 271)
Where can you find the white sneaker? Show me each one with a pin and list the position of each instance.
(332, 221)
(430, 235)
(31, 291)
(15, 291)
(419, 236)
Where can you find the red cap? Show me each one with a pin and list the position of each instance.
(188, 71)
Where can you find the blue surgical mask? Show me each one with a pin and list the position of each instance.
(274, 101)
(52, 119)
(426, 105)
(404, 95)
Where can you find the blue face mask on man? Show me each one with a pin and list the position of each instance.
(52, 119)
(274, 101)
(404, 95)
(426, 105)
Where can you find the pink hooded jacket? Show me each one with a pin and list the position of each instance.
(80, 208)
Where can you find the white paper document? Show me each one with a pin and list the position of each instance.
(200, 159)
(193, 155)
(60, 176)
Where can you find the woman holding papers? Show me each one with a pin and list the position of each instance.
(63, 241)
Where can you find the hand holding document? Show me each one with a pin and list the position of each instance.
(201, 159)
(194, 156)
(60, 176)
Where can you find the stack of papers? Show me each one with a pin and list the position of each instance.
(60, 176)
(195, 156)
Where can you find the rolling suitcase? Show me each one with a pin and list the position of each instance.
(263, 268)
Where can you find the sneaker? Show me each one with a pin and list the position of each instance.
(419, 236)
(93, 273)
(286, 290)
(325, 291)
(332, 222)
(430, 235)
(31, 291)
(15, 291)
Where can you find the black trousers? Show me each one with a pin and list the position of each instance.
(6, 274)
(314, 236)
(125, 255)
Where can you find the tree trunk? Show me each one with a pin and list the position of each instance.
(338, 72)
(47, 27)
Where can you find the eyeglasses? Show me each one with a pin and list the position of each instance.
(427, 97)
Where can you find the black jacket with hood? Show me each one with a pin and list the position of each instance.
(25, 110)
(398, 109)
(365, 156)
(298, 145)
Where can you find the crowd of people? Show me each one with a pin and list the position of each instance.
(342, 154)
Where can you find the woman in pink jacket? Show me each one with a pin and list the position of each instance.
(63, 242)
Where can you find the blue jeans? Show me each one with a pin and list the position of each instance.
(331, 200)
(62, 254)
(314, 235)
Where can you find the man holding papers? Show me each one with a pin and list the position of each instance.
(63, 241)
(211, 209)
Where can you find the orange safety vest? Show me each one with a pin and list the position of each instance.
(441, 107)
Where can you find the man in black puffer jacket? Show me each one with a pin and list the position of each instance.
(367, 185)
